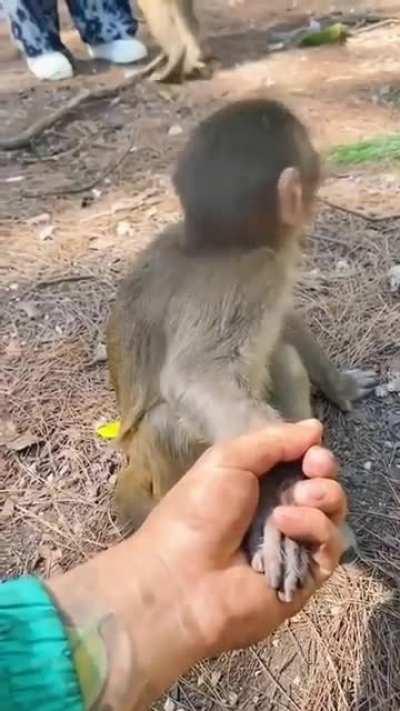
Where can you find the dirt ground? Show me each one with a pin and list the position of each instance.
(78, 204)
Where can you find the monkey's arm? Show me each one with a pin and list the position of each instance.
(210, 401)
(342, 388)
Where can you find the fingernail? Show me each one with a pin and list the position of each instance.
(308, 492)
(310, 422)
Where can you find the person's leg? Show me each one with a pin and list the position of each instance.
(108, 28)
(35, 28)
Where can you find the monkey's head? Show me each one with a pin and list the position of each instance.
(247, 178)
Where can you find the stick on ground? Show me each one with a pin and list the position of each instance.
(22, 140)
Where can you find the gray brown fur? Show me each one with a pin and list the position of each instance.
(203, 342)
(175, 28)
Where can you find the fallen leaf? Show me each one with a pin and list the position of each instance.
(110, 430)
(46, 232)
(7, 510)
(13, 350)
(100, 354)
(39, 219)
(30, 308)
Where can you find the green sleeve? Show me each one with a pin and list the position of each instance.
(36, 668)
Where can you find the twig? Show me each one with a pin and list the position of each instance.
(376, 25)
(36, 129)
(61, 280)
(76, 189)
(357, 213)
(275, 681)
(329, 659)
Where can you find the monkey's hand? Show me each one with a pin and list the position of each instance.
(350, 386)
(285, 563)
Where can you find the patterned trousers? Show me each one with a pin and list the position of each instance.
(35, 24)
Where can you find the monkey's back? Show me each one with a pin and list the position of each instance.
(224, 308)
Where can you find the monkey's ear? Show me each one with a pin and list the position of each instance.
(290, 198)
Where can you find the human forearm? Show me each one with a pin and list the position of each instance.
(126, 611)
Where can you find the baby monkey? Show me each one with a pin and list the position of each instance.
(203, 342)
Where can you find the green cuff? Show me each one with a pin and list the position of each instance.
(36, 667)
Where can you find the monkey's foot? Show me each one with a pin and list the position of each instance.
(356, 384)
(285, 563)
(121, 51)
(52, 66)
(183, 64)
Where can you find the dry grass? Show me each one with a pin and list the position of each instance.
(343, 652)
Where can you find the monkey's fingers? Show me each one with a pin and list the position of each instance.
(316, 531)
(295, 569)
(364, 381)
(284, 562)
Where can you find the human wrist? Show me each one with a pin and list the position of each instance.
(125, 605)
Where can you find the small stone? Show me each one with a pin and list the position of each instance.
(368, 466)
(112, 479)
(175, 130)
(29, 308)
(394, 278)
(124, 229)
(381, 391)
(232, 698)
(169, 705)
(215, 677)
(342, 265)
(394, 386)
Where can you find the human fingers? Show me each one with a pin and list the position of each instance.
(253, 614)
(320, 462)
(310, 526)
(261, 450)
(324, 494)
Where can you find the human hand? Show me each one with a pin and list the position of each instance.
(181, 589)
(196, 534)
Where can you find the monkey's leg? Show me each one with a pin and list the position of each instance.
(133, 497)
(188, 25)
(174, 26)
(291, 389)
(159, 452)
(285, 562)
(341, 388)
(160, 19)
